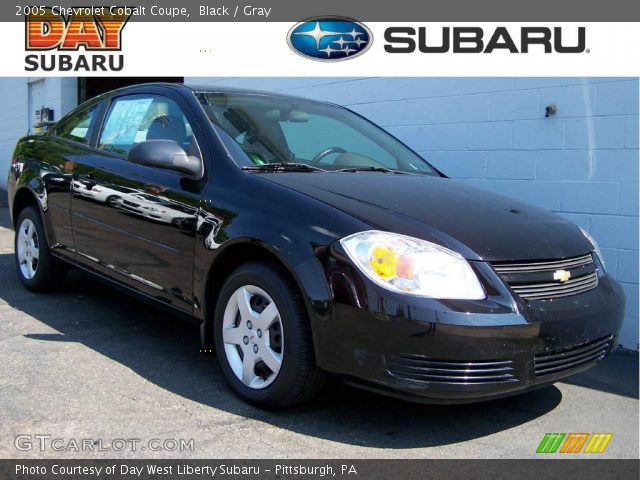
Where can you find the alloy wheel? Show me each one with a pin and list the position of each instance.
(253, 336)
(28, 249)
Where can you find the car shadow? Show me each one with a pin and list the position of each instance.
(166, 351)
(618, 375)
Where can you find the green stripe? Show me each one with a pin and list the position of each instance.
(543, 443)
(550, 443)
(558, 442)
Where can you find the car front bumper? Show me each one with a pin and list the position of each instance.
(457, 352)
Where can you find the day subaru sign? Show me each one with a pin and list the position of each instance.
(329, 39)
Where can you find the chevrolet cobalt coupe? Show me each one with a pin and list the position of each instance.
(307, 241)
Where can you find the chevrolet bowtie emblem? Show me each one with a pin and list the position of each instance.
(562, 275)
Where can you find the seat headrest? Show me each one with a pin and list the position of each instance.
(167, 127)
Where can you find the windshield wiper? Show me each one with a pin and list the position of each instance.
(283, 167)
(374, 169)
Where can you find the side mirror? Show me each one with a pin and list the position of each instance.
(169, 155)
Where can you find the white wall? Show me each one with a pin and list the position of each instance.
(14, 120)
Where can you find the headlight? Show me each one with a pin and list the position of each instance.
(410, 265)
(595, 245)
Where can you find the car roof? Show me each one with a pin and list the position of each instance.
(208, 88)
(140, 88)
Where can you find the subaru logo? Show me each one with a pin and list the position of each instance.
(329, 39)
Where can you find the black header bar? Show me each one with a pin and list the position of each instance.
(362, 10)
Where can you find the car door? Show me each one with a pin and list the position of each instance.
(132, 222)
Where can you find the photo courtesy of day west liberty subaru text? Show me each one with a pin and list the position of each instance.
(94, 31)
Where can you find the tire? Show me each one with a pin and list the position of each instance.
(112, 201)
(37, 269)
(272, 303)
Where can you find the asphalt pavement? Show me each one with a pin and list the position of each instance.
(87, 363)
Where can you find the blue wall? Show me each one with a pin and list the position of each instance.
(581, 163)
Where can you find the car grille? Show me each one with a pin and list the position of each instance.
(548, 363)
(420, 368)
(537, 280)
(537, 291)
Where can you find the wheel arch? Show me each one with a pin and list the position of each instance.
(241, 252)
(22, 199)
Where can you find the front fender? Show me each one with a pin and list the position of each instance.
(278, 223)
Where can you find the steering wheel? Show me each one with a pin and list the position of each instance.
(325, 152)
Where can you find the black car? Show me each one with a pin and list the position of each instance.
(307, 241)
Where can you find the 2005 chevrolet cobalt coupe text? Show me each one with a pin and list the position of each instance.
(307, 241)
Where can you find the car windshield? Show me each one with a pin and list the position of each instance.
(262, 129)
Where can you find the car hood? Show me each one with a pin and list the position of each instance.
(479, 224)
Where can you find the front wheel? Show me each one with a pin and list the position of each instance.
(263, 338)
(37, 269)
(112, 201)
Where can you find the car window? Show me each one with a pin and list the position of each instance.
(76, 127)
(319, 133)
(260, 129)
(137, 118)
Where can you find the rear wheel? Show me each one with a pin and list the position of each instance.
(263, 338)
(37, 269)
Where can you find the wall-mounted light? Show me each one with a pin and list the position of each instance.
(550, 109)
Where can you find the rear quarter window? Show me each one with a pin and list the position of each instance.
(77, 126)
